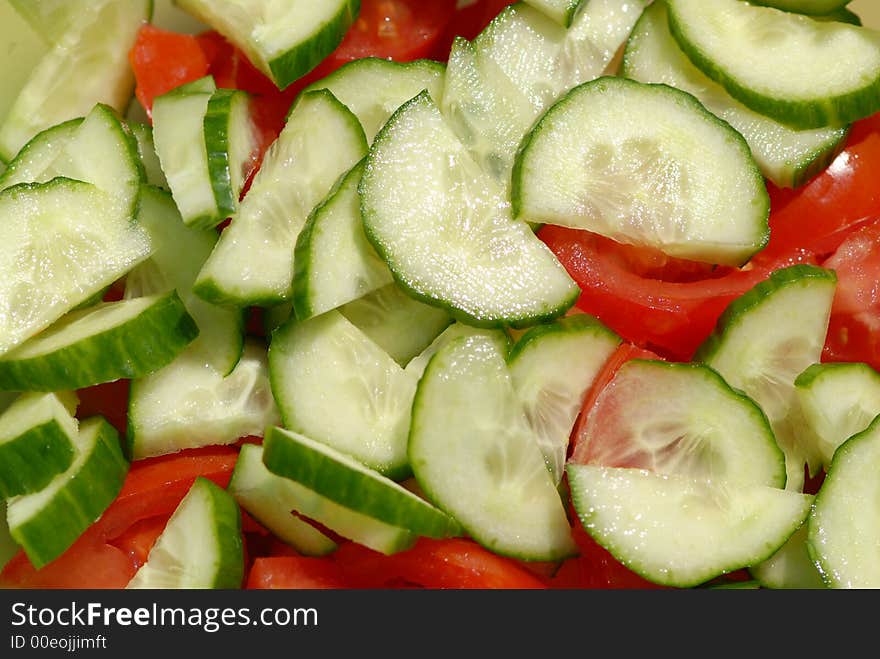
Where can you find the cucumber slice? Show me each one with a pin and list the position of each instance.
(373, 88)
(680, 531)
(844, 526)
(179, 255)
(60, 243)
(189, 404)
(204, 141)
(24, 48)
(37, 156)
(334, 262)
(37, 441)
(284, 40)
(842, 15)
(561, 11)
(270, 499)
(447, 234)
(348, 483)
(810, 7)
(88, 65)
(8, 546)
(825, 73)
(417, 365)
(552, 367)
(147, 151)
(837, 401)
(684, 420)
(481, 463)
(764, 340)
(45, 523)
(50, 18)
(102, 343)
(201, 546)
(791, 567)
(786, 156)
(253, 262)
(646, 165)
(367, 415)
(399, 324)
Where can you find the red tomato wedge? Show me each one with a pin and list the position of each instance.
(140, 538)
(295, 572)
(456, 563)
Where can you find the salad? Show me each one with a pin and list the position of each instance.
(438, 294)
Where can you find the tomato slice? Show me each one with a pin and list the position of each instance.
(137, 541)
(162, 60)
(299, 572)
(109, 400)
(671, 318)
(456, 563)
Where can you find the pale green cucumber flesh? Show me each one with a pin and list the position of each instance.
(38, 154)
(679, 531)
(844, 526)
(201, 546)
(253, 262)
(348, 483)
(445, 231)
(809, 7)
(552, 367)
(48, 521)
(482, 464)
(367, 415)
(786, 156)
(680, 419)
(791, 567)
(37, 442)
(561, 11)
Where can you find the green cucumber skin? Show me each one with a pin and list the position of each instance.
(34, 458)
(840, 111)
(74, 366)
(574, 323)
(79, 503)
(217, 123)
(817, 8)
(227, 529)
(754, 297)
(298, 61)
(319, 472)
(52, 138)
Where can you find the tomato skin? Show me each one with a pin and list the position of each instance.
(455, 563)
(295, 572)
(162, 60)
(137, 541)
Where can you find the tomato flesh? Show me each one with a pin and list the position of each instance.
(295, 572)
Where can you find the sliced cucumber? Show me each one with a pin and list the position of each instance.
(37, 156)
(837, 401)
(765, 339)
(367, 415)
(62, 242)
(844, 526)
(552, 367)
(8, 546)
(811, 7)
(38, 441)
(680, 531)
(399, 324)
(50, 18)
(373, 88)
(201, 546)
(791, 567)
(180, 252)
(480, 462)
(825, 73)
(447, 234)
(88, 65)
(270, 499)
(102, 343)
(348, 483)
(334, 262)
(684, 420)
(646, 165)
(786, 156)
(285, 40)
(417, 365)
(147, 151)
(189, 404)
(48, 521)
(204, 141)
(561, 11)
(253, 262)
